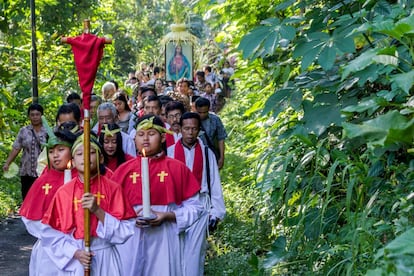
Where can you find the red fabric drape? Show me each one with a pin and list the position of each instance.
(87, 51)
(198, 159)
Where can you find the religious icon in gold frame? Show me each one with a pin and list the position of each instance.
(178, 61)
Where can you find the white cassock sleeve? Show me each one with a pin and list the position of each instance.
(34, 227)
(115, 231)
(218, 209)
(60, 248)
(188, 212)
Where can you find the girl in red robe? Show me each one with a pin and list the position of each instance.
(42, 191)
(111, 140)
(112, 219)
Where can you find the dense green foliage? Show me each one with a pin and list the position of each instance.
(330, 145)
(319, 174)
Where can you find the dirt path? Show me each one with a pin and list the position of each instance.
(15, 247)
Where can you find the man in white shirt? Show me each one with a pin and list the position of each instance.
(202, 162)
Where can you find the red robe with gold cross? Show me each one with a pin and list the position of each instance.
(63, 234)
(66, 214)
(173, 188)
(32, 210)
(170, 181)
(41, 193)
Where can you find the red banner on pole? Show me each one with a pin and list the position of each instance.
(87, 51)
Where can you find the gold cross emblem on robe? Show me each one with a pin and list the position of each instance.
(46, 187)
(162, 176)
(134, 177)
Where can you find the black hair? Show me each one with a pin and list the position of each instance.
(67, 109)
(152, 98)
(201, 74)
(145, 89)
(73, 96)
(121, 97)
(174, 105)
(66, 133)
(115, 83)
(190, 115)
(194, 98)
(156, 70)
(201, 102)
(119, 153)
(35, 106)
(165, 99)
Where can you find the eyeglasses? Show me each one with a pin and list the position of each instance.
(176, 116)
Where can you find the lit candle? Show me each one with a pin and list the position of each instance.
(146, 206)
(68, 174)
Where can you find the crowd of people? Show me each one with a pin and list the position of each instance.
(171, 131)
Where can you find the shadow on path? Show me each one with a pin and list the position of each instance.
(15, 247)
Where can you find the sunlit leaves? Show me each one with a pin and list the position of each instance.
(384, 130)
(264, 40)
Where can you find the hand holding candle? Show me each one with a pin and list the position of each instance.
(146, 205)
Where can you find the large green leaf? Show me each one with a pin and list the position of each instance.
(384, 130)
(278, 101)
(277, 253)
(359, 63)
(370, 104)
(322, 113)
(327, 57)
(263, 40)
(404, 81)
(251, 42)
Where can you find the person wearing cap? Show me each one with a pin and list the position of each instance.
(175, 205)
(42, 191)
(111, 218)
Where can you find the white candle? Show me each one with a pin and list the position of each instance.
(68, 176)
(146, 206)
(68, 173)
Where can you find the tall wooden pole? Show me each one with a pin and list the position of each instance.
(87, 164)
(86, 64)
(33, 57)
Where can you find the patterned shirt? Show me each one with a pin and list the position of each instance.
(215, 131)
(30, 142)
(213, 101)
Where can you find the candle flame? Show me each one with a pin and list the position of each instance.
(143, 152)
(69, 165)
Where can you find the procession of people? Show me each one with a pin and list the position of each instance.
(148, 179)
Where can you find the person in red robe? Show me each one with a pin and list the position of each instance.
(175, 205)
(112, 219)
(111, 139)
(42, 191)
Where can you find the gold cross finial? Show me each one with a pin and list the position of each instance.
(134, 177)
(46, 187)
(162, 176)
